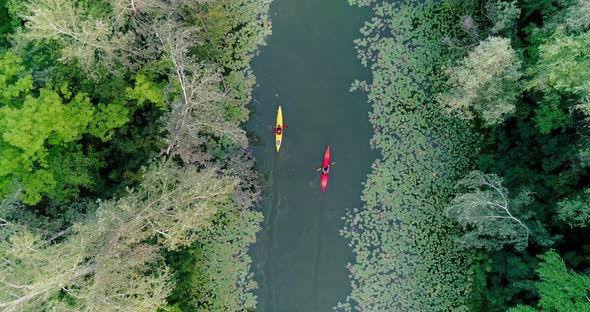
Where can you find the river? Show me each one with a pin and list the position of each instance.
(307, 67)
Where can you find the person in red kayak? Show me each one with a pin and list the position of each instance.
(326, 169)
(278, 130)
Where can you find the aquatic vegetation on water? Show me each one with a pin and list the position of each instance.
(405, 255)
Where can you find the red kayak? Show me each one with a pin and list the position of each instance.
(325, 169)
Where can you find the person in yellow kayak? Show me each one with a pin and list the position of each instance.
(278, 130)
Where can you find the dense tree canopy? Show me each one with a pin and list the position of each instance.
(128, 185)
(539, 149)
(90, 93)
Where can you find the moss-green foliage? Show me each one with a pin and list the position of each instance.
(213, 274)
(513, 279)
(5, 22)
(53, 134)
(541, 8)
(541, 164)
(405, 255)
(503, 15)
(233, 31)
(147, 90)
(134, 142)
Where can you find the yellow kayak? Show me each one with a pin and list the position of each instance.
(279, 137)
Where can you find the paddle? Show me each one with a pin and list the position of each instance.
(320, 168)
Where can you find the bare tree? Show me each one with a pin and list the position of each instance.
(485, 213)
(31, 270)
(485, 83)
(84, 38)
(110, 261)
(198, 109)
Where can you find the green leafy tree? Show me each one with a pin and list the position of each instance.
(560, 288)
(15, 82)
(509, 280)
(559, 76)
(562, 68)
(232, 31)
(112, 258)
(484, 210)
(146, 90)
(485, 83)
(25, 145)
(575, 210)
(503, 15)
(42, 131)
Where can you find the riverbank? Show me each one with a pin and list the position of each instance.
(405, 256)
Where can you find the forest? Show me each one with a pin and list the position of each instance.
(126, 180)
(479, 200)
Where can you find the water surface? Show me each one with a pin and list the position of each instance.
(307, 66)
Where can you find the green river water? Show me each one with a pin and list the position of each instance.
(307, 66)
